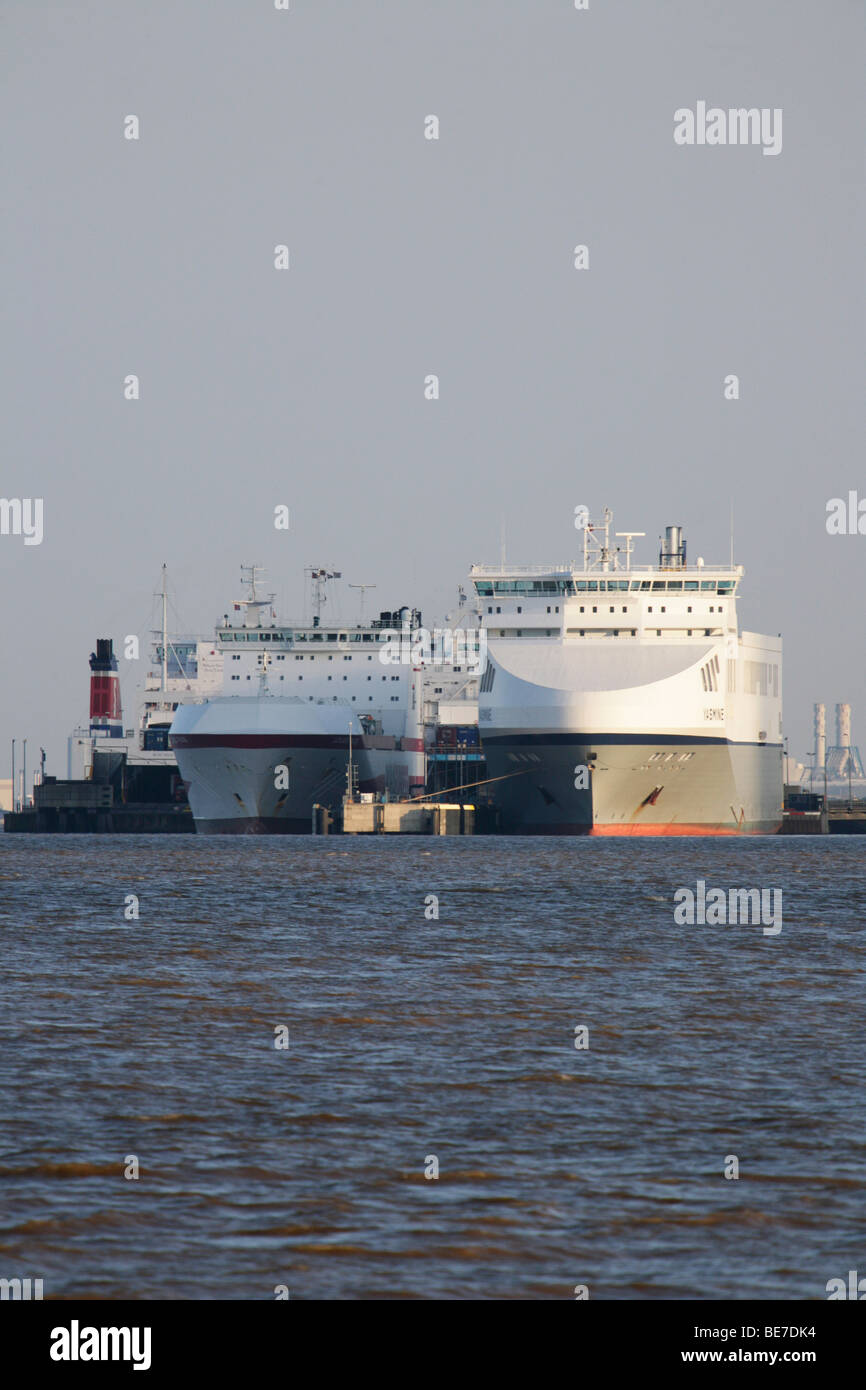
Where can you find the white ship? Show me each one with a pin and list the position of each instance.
(308, 711)
(624, 700)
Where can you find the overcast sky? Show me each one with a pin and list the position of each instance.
(410, 257)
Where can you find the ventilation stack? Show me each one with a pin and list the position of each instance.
(672, 553)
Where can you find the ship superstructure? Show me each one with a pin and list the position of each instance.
(621, 699)
(309, 711)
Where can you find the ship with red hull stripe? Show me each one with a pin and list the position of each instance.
(624, 700)
(309, 711)
(258, 765)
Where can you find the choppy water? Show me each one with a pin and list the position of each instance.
(411, 1037)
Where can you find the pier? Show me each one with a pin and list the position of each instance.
(404, 818)
(85, 807)
(807, 813)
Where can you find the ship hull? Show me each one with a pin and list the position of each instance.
(236, 756)
(635, 785)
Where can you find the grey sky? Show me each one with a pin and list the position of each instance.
(411, 257)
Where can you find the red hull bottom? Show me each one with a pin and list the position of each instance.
(682, 829)
(675, 828)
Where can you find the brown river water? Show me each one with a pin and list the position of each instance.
(413, 1038)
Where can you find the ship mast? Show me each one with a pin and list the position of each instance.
(252, 604)
(164, 634)
(363, 588)
(319, 578)
(595, 550)
(628, 537)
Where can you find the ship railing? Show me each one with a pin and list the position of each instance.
(552, 571)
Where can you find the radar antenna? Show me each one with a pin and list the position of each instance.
(363, 588)
(628, 537)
